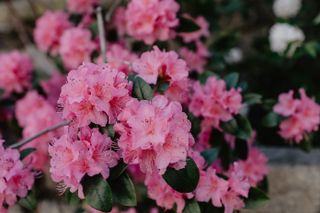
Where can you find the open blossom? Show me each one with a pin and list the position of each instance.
(154, 134)
(76, 47)
(74, 156)
(49, 28)
(286, 8)
(196, 60)
(94, 94)
(52, 87)
(160, 64)
(213, 101)
(15, 72)
(302, 116)
(119, 21)
(196, 35)
(81, 6)
(34, 114)
(151, 20)
(179, 91)
(16, 179)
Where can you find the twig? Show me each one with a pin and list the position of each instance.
(102, 36)
(33, 8)
(45, 131)
(112, 9)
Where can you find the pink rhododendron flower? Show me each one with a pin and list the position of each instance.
(213, 101)
(52, 87)
(151, 20)
(76, 47)
(15, 178)
(34, 114)
(49, 28)
(154, 134)
(157, 63)
(238, 181)
(94, 94)
(179, 91)
(163, 194)
(119, 21)
(15, 72)
(231, 201)
(196, 60)
(302, 116)
(74, 156)
(81, 6)
(202, 32)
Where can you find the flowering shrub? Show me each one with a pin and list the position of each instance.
(146, 110)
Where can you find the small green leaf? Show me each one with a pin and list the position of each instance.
(29, 202)
(242, 149)
(230, 127)
(306, 143)
(123, 191)
(210, 155)
(256, 198)
(26, 152)
(187, 25)
(163, 86)
(97, 193)
(191, 207)
(184, 180)
(71, 198)
(271, 120)
(118, 170)
(312, 48)
(245, 130)
(252, 98)
(141, 89)
(231, 80)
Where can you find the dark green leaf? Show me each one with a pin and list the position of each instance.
(141, 89)
(191, 207)
(209, 208)
(271, 120)
(1, 92)
(306, 143)
(195, 127)
(264, 185)
(187, 25)
(26, 152)
(242, 149)
(210, 155)
(253, 98)
(98, 193)
(245, 129)
(72, 198)
(163, 86)
(184, 180)
(312, 48)
(231, 80)
(256, 198)
(123, 191)
(118, 170)
(230, 127)
(29, 202)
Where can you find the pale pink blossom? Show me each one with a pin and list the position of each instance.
(179, 91)
(231, 201)
(238, 181)
(287, 105)
(119, 21)
(94, 94)
(82, 6)
(52, 87)
(49, 28)
(151, 20)
(196, 35)
(154, 134)
(15, 72)
(76, 47)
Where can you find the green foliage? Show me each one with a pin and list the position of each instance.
(191, 207)
(231, 80)
(256, 198)
(210, 155)
(26, 152)
(141, 89)
(187, 25)
(239, 127)
(29, 202)
(271, 120)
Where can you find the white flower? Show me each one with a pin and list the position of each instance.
(281, 35)
(286, 8)
(234, 56)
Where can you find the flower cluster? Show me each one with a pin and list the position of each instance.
(214, 102)
(302, 116)
(196, 60)
(151, 20)
(286, 8)
(75, 155)
(15, 178)
(154, 134)
(82, 6)
(94, 94)
(15, 72)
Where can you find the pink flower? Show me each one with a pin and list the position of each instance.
(202, 32)
(156, 63)
(163, 194)
(76, 47)
(238, 181)
(49, 28)
(154, 134)
(179, 91)
(73, 156)
(287, 104)
(231, 201)
(15, 178)
(211, 187)
(81, 6)
(15, 72)
(119, 20)
(34, 114)
(94, 94)
(151, 20)
(52, 87)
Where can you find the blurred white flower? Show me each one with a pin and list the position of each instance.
(234, 56)
(281, 35)
(286, 8)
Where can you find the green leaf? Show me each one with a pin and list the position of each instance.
(187, 25)
(72, 198)
(195, 127)
(26, 152)
(256, 198)
(209, 208)
(311, 48)
(141, 89)
(230, 127)
(231, 80)
(191, 207)
(306, 143)
(184, 180)
(97, 193)
(118, 170)
(1, 92)
(123, 191)
(252, 98)
(271, 120)
(163, 86)
(242, 149)
(245, 130)
(316, 20)
(210, 155)
(29, 202)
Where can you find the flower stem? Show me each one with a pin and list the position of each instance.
(102, 36)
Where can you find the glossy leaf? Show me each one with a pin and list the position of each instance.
(210, 155)
(191, 207)
(26, 152)
(118, 170)
(29, 202)
(271, 120)
(141, 89)
(252, 98)
(231, 80)
(256, 198)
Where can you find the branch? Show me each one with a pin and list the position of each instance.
(102, 36)
(45, 131)
(112, 9)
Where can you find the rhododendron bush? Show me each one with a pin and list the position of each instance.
(145, 111)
